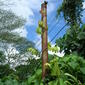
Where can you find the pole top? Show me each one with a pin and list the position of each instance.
(45, 2)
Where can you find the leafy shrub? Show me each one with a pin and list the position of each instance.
(5, 70)
(69, 70)
(73, 41)
(74, 65)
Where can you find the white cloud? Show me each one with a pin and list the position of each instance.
(11, 51)
(24, 8)
(20, 8)
(84, 5)
(59, 54)
(21, 31)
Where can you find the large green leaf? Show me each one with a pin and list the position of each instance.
(72, 77)
(38, 30)
(72, 11)
(61, 82)
(1, 83)
(73, 64)
(81, 36)
(82, 69)
(55, 70)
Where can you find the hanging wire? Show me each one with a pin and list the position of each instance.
(59, 32)
(51, 20)
(49, 30)
(55, 35)
(53, 26)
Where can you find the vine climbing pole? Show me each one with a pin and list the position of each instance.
(44, 38)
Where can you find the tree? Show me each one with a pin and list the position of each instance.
(10, 40)
(2, 57)
(73, 41)
(72, 11)
(9, 22)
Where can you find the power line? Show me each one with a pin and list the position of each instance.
(52, 19)
(51, 41)
(52, 27)
(55, 35)
(49, 32)
(58, 32)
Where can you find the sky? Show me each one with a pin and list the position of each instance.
(30, 10)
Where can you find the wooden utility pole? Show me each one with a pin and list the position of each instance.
(44, 38)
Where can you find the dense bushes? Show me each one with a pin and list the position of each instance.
(69, 70)
(73, 41)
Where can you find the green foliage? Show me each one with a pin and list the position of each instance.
(25, 71)
(53, 48)
(73, 65)
(5, 71)
(73, 41)
(2, 57)
(68, 70)
(6, 36)
(41, 26)
(36, 79)
(33, 51)
(8, 23)
(53, 68)
(21, 73)
(38, 30)
(10, 81)
(72, 10)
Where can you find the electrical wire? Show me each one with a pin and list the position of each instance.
(50, 31)
(55, 35)
(51, 20)
(53, 26)
(58, 32)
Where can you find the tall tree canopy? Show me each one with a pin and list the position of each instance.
(73, 40)
(9, 39)
(9, 22)
(72, 10)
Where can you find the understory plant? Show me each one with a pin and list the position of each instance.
(69, 70)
